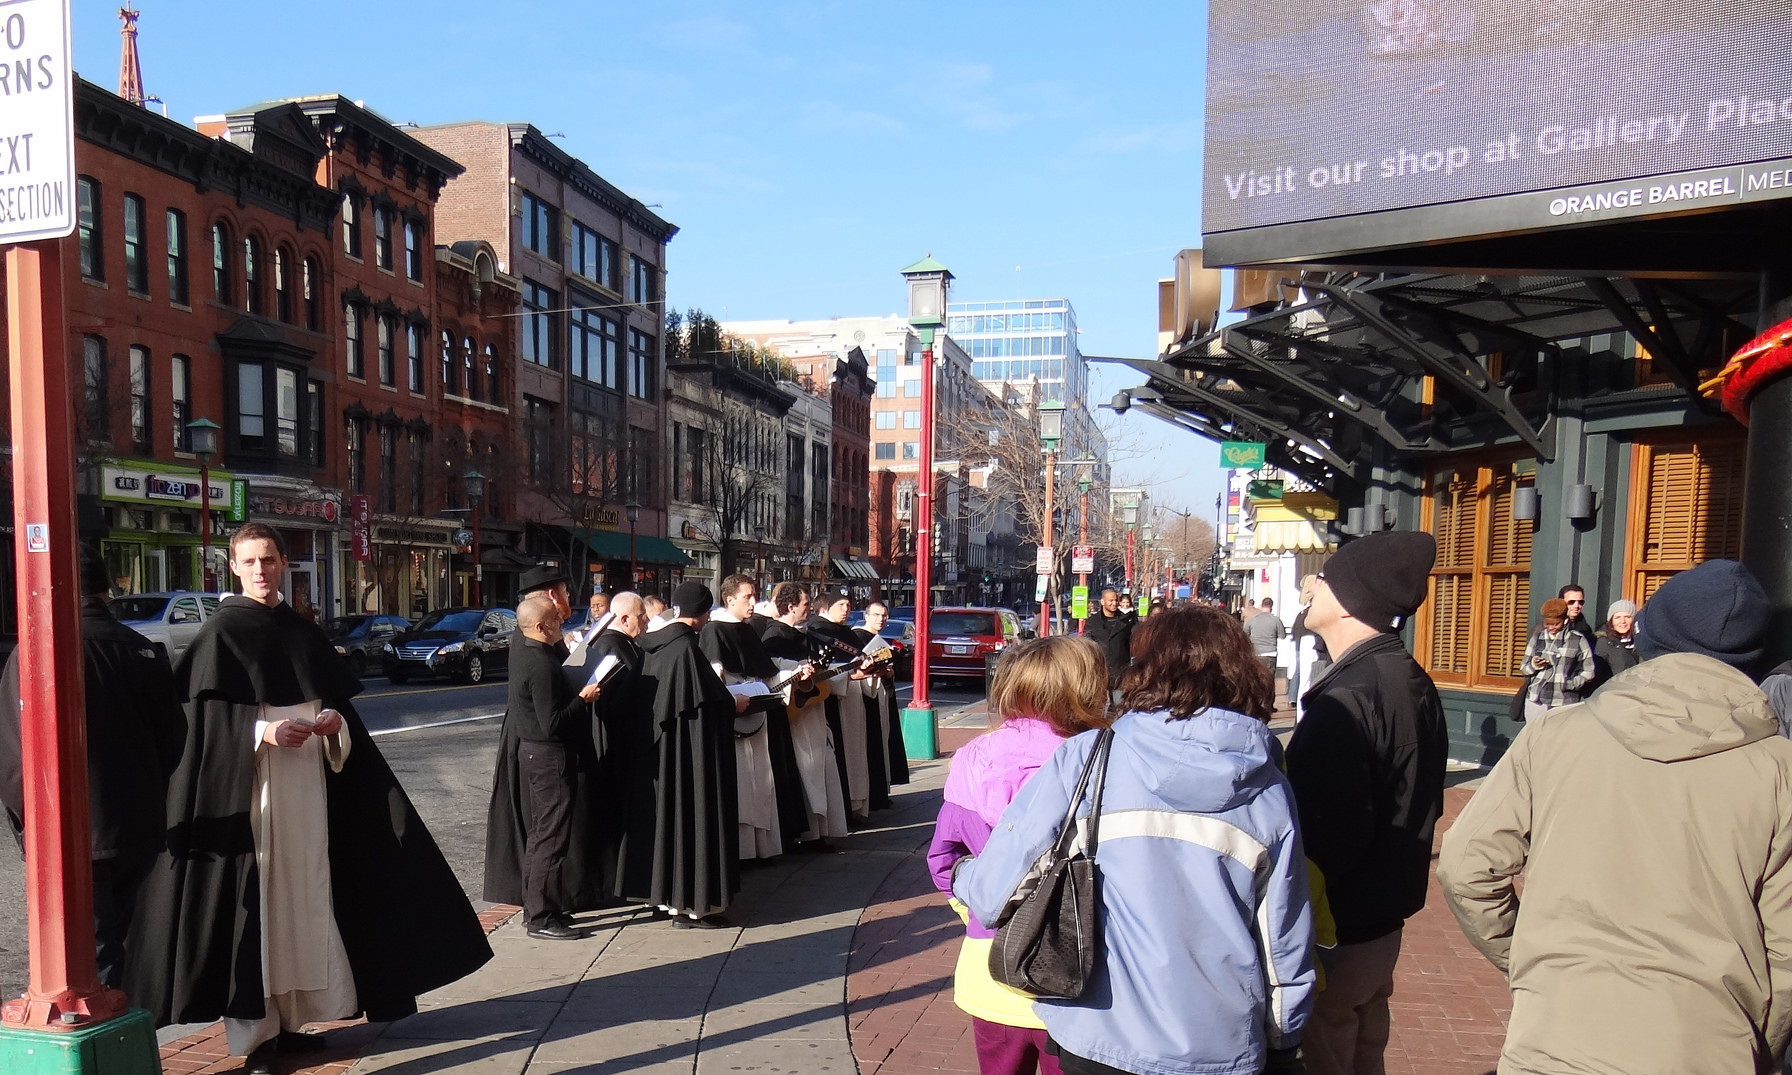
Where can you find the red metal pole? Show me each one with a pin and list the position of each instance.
(205, 524)
(1045, 615)
(1130, 588)
(924, 532)
(64, 991)
(478, 565)
(1082, 578)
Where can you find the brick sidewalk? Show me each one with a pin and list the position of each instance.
(1450, 1006)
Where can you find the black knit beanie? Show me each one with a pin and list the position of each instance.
(692, 599)
(1717, 609)
(1381, 579)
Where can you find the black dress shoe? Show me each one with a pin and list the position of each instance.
(293, 1041)
(714, 921)
(554, 931)
(261, 1060)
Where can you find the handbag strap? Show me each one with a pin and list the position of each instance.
(1103, 746)
(1096, 767)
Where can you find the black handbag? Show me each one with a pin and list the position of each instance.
(1048, 936)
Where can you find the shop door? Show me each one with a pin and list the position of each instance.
(155, 570)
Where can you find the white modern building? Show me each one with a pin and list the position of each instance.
(1021, 342)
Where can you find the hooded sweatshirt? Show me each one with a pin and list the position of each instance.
(1205, 924)
(1653, 826)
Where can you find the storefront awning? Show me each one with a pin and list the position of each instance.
(855, 569)
(1294, 523)
(612, 545)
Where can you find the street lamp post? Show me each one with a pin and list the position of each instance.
(475, 493)
(1083, 483)
(759, 557)
(202, 438)
(633, 510)
(928, 282)
(1169, 574)
(1051, 431)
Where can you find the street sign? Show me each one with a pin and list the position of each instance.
(1242, 454)
(37, 145)
(1043, 561)
(1079, 602)
(1039, 589)
(1082, 559)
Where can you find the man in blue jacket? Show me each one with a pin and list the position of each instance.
(1367, 767)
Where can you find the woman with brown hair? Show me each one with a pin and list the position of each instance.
(1204, 961)
(1043, 692)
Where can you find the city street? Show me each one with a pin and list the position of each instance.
(439, 739)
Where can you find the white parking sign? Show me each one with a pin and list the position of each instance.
(37, 122)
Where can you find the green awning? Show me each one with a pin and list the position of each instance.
(613, 545)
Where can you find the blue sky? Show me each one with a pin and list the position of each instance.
(807, 151)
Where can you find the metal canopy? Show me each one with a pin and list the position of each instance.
(1425, 364)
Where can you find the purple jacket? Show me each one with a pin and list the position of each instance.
(986, 775)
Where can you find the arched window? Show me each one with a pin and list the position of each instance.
(355, 343)
(282, 285)
(252, 274)
(221, 262)
(450, 373)
(495, 394)
(469, 353)
(309, 284)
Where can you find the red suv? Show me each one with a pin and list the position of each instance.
(965, 641)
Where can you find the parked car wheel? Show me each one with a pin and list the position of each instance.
(475, 672)
(357, 663)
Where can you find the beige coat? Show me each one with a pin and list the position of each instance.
(1653, 826)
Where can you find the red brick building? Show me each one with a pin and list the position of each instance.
(213, 275)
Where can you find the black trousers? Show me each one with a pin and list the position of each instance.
(547, 772)
(115, 884)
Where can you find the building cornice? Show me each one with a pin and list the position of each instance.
(534, 145)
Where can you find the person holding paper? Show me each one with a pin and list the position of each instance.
(544, 737)
(772, 808)
(809, 731)
(880, 690)
(846, 703)
(622, 725)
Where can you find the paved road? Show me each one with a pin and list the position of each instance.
(439, 738)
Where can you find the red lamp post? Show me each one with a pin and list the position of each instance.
(202, 439)
(928, 282)
(475, 493)
(1051, 431)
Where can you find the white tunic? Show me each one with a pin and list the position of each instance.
(851, 695)
(760, 836)
(814, 742)
(305, 971)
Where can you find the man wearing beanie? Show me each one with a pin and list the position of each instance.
(1653, 826)
(1367, 767)
(135, 732)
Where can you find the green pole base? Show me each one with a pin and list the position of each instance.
(920, 735)
(122, 1046)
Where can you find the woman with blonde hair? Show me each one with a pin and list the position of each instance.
(1043, 692)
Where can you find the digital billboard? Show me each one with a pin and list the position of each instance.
(1350, 125)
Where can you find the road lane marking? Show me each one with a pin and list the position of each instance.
(436, 724)
(428, 690)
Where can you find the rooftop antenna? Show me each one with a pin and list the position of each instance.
(130, 68)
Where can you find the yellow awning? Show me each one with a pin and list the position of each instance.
(1294, 523)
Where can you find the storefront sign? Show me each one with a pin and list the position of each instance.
(178, 487)
(288, 507)
(360, 529)
(1242, 454)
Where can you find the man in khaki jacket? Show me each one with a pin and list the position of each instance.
(1653, 826)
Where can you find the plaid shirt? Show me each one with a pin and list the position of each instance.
(1570, 667)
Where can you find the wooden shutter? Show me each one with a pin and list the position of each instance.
(1445, 622)
(1506, 569)
(1686, 508)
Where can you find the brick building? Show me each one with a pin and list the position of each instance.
(849, 388)
(590, 261)
(193, 287)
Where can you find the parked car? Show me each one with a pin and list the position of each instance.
(900, 634)
(171, 620)
(467, 644)
(965, 640)
(362, 639)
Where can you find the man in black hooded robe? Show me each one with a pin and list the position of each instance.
(287, 834)
(694, 870)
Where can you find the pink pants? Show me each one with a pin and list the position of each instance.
(1011, 1050)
